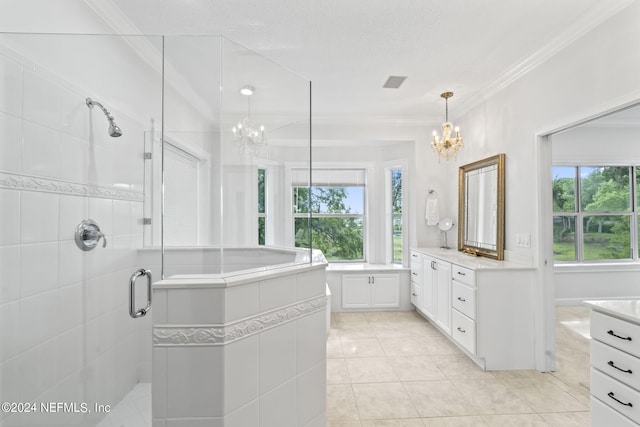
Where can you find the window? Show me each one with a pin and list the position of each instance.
(595, 213)
(262, 216)
(332, 213)
(396, 215)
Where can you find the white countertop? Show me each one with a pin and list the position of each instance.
(471, 261)
(364, 267)
(627, 309)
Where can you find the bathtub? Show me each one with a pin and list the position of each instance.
(239, 337)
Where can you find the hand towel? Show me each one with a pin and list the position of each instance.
(432, 214)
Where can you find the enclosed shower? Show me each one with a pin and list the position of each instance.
(88, 206)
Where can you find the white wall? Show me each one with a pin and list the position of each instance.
(591, 76)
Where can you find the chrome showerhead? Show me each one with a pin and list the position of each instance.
(114, 130)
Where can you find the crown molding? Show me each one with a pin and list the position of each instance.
(575, 31)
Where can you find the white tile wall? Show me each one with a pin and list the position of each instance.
(273, 376)
(39, 217)
(241, 301)
(9, 217)
(38, 268)
(11, 89)
(312, 398)
(279, 406)
(11, 147)
(277, 356)
(277, 292)
(195, 306)
(41, 150)
(310, 351)
(75, 341)
(194, 382)
(241, 373)
(248, 415)
(42, 101)
(10, 274)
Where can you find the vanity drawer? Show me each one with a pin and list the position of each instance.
(416, 294)
(602, 415)
(463, 275)
(616, 332)
(616, 363)
(416, 272)
(463, 330)
(463, 299)
(616, 395)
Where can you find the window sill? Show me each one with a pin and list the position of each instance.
(597, 267)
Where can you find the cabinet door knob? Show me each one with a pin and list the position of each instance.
(613, 365)
(461, 330)
(461, 299)
(414, 294)
(461, 273)
(613, 396)
(610, 332)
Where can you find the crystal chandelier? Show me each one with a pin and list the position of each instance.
(246, 135)
(447, 146)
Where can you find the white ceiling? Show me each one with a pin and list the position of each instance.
(348, 48)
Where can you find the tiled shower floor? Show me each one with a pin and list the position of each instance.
(134, 410)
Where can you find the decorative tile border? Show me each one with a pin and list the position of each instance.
(48, 185)
(168, 336)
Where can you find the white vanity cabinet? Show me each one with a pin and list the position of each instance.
(437, 287)
(482, 305)
(416, 274)
(615, 362)
(463, 303)
(431, 289)
(379, 290)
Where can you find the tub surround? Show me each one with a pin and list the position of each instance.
(482, 305)
(242, 348)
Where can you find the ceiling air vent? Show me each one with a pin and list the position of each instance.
(394, 82)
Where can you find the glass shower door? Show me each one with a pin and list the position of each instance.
(74, 111)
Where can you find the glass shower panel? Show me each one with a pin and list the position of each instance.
(68, 344)
(233, 119)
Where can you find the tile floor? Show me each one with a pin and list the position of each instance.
(395, 369)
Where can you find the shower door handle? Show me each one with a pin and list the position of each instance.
(133, 312)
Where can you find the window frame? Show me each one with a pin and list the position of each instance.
(579, 215)
(312, 215)
(262, 215)
(389, 170)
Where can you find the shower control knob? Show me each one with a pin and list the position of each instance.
(88, 235)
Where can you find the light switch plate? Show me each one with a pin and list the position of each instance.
(523, 240)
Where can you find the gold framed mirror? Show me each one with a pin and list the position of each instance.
(481, 207)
